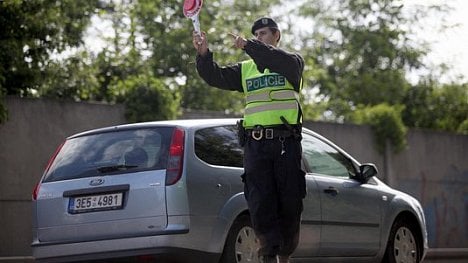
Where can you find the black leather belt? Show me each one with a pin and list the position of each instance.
(267, 133)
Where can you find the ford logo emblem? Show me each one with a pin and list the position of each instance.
(96, 182)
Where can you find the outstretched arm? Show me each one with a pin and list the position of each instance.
(290, 65)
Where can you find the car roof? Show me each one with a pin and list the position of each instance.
(189, 123)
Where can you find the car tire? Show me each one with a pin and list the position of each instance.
(403, 244)
(241, 243)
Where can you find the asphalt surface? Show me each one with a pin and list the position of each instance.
(434, 255)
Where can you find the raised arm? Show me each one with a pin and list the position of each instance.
(226, 77)
(290, 65)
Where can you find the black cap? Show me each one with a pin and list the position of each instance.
(263, 22)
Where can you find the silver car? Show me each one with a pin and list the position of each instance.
(171, 191)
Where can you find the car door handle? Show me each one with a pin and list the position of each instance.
(331, 190)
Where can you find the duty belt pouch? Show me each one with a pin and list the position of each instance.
(241, 132)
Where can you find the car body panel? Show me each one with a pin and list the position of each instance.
(56, 224)
(309, 242)
(350, 218)
(197, 212)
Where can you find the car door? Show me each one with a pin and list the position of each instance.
(309, 241)
(350, 211)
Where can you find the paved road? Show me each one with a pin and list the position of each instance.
(449, 255)
(434, 255)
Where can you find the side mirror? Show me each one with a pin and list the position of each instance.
(366, 171)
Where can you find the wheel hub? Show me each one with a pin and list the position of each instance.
(246, 246)
(405, 248)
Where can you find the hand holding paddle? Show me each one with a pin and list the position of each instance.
(200, 43)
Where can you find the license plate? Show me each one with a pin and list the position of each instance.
(90, 203)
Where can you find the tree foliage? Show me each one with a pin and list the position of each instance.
(386, 123)
(30, 32)
(153, 38)
(358, 54)
(362, 51)
(146, 99)
(435, 106)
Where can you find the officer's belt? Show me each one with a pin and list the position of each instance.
(267, 133)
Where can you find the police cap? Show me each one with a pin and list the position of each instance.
(263, 22)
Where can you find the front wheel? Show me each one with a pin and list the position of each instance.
(241, 243)
(402, 246)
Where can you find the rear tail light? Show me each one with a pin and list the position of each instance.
(176, 157)
(36, 191)
(51, 160)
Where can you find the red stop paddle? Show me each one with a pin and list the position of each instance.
(191, 10)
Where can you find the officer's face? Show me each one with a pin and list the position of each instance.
(267, 36)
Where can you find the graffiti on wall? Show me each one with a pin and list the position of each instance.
(445, 202)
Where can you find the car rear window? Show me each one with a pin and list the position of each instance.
(111, 152)
(219, 146)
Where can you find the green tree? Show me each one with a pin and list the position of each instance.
(121, 72)
(70, 78)
(154, 38)
(168, 35)
(386, 123)
(435, 106)
(361, 51)
(30, 31)
(363, 48)
(147, 99)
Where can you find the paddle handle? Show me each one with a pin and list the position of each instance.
(196, 23)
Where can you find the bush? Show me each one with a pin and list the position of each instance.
(3, 109)
(386, 123)
(463, 127)
(147, 99)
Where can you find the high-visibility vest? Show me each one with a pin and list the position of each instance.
(268, 96)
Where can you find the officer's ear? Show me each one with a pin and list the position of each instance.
(276, 34)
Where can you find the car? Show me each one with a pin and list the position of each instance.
(171, 190)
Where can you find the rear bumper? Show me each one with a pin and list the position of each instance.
(176, 247)
(173, 240)
(159, 254)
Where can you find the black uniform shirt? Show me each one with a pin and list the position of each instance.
(290, 65)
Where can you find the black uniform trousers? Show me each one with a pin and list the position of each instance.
(274, 188)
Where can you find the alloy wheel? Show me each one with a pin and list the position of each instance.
(405, 247)
(246, 246)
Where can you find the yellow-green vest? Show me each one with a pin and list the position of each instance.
(268, 96)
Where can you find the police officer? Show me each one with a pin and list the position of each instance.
(274, 181)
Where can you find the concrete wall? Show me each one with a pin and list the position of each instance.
(35, 128)
(434, 167)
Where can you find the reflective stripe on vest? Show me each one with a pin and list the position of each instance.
(268, 96)
(272, 95)
(272, 106)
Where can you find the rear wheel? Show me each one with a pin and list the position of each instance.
(241, 243)
(402, 246)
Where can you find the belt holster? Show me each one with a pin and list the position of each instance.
(241, 132)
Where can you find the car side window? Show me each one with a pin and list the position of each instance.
(322, 158)
(219, 146)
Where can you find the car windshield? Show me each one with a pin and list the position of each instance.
(111, 153)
